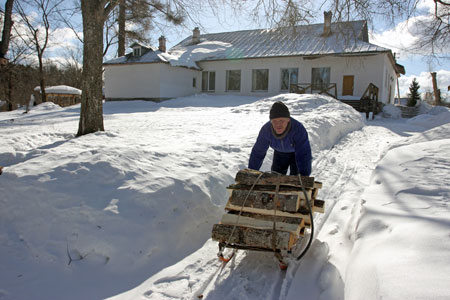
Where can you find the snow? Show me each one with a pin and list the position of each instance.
(60, 89)
(127, 213)
(189, 56)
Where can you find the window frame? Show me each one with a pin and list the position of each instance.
(290, 72)
(209, 75)
(227, 81)
(137, 51)
(255, 84)
(324, 76)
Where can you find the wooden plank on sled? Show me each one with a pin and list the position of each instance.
(292, 225)
(265, 200)
(287, 189)
(260, 211)
(248, 177)
(251, 237)
(319, 206)
(283, 190)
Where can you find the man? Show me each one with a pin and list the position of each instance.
(289, 140)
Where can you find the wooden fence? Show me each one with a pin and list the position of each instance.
(310, 88)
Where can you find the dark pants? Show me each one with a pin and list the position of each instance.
(282, 161)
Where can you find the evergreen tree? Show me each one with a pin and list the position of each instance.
(413, 95)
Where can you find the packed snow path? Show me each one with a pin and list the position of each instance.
(256, 275)
(95, 216)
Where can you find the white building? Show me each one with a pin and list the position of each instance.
(337, 56)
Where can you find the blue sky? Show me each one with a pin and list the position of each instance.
(396, 38)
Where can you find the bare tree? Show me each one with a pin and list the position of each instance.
(94, 14)
(72, 66)
(143, 14)
(38, 31)
(15, 79)
(7, 26)
(275, 12)
(431, 27)
(121, 28)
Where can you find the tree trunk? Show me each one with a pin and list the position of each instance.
(437, 94)
(7, 25)
(121, 21)
(91, 113)
(10, 89)
(42, 78)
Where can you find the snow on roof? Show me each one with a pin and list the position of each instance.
(150, 56)
(304, 40)
(140, 44)
(59, 89)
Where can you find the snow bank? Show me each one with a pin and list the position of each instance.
(326, 119)
(60, 89)
(399, 251)
(94, 216)
(118, 206)
(391, 111)
(436, 116)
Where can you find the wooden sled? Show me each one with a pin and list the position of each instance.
(267, 212)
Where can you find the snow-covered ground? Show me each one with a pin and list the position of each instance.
(127, 213)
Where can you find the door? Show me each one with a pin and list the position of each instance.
(347, 86)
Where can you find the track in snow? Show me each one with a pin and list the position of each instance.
(256, 275)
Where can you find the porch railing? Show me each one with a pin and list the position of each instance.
(369, 100)
(313, 88)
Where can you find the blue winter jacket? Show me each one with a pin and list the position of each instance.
(296, 140)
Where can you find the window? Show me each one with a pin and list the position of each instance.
(320, 78)
(260, 80)
(208, 81)
(234, 80)
(137, 51)
(288, 77)
(194, 82)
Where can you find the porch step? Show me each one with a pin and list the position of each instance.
(409, 112)
(356, 104)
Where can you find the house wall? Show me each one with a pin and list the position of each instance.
(178, 82)
(246, 66)
(162, 81)
(155, 81)
(132, 81)
(375, 69)
(390, 81)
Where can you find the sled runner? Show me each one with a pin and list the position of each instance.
(267, 212)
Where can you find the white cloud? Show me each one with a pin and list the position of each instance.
(406, 35)
(64, 38)
(60, 39)
(426, 85)
(402, 38)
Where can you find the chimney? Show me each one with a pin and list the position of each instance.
(196, 36)
(327, 23)
(162, 44)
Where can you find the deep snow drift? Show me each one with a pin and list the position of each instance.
(95, 216)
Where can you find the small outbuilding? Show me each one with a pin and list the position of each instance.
(62, 95)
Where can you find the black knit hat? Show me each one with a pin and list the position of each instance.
(279, 110)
